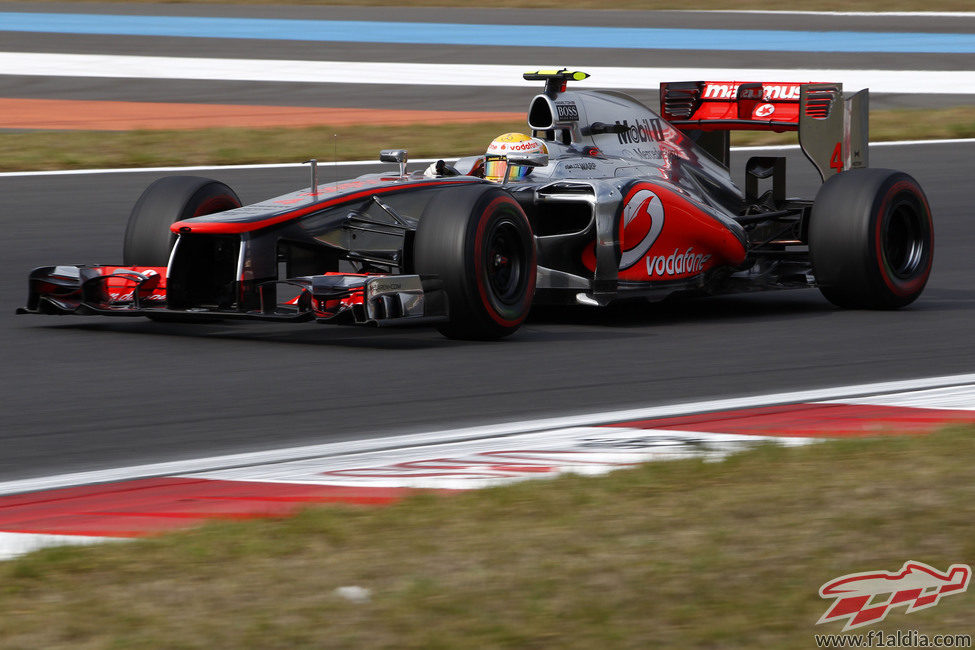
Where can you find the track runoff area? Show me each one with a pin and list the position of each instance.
(131, 502)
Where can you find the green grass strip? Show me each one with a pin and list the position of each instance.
(38, 150)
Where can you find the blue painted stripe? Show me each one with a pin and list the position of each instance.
(498, 35)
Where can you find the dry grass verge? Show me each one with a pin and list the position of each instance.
(668, 555)
(225, 146)
(98, 149)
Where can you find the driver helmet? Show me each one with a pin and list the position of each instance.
(496, 160)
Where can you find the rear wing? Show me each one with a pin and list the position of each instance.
(833, 131)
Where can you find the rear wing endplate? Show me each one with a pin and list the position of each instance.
(833, 131)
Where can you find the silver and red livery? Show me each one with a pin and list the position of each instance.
(624, 202)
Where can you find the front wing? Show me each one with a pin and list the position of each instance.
(341, 298)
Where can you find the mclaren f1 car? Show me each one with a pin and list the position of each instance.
(605, 200)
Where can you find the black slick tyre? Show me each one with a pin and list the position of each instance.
(871, 239)
(479, 242)
(148, 240)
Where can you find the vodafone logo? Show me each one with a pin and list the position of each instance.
(640, 225)
(765, 110)
(528, 146)
(679, 262)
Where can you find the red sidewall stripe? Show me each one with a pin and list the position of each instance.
(479, 275)
(907, 287)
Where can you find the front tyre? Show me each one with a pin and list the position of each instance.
(871, 239)
(148, 240)
(479, 242)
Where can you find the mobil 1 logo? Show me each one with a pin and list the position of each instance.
(642, 130)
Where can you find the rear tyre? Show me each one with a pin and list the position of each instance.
(871, 239)
(479, 242)
(148, 240)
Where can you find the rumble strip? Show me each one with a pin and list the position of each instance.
(150, 499)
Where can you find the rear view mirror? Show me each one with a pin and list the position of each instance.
(394, 156)
(528, 160)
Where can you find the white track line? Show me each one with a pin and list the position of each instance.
(325, 166)
(871, 14)
(14, 544)
(470, 433)
(450, 74)
(950, 398)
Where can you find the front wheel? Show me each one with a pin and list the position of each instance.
(148, 240)
(479, 242)
(871, 239)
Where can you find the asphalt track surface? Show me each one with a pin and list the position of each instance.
(87, 393)
(401, 96)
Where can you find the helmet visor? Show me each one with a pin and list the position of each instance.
(496, 166)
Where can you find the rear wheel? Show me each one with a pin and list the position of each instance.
(148, 240)
(871, 239)
(478, 241)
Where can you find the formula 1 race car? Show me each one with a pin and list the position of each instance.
(605, 200)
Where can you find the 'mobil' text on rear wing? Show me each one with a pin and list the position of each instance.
(833, 131)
